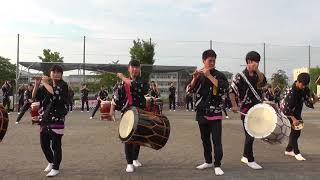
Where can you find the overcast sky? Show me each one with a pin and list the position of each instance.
(181, 30)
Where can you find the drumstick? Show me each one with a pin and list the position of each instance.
(243, 113)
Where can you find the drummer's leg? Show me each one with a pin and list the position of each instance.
(136, 151)
(293, 141)
(25, 107)
(128, 148)
(248, 144)
(95, 109)
(216, 129)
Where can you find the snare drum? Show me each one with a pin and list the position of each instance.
(35, 106)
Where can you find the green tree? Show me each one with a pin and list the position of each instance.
(108, 80)
(143, 51)
(7, 70)
(280, 79)
(314, 73)
(49, 56)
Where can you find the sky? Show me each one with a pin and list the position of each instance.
(181, 29)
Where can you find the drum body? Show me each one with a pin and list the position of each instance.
(35, 106)
(105, 110)
(144, 128)
(158, 105)
(265, 121)
(4, 120)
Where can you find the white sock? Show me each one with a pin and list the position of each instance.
(218, 171)
(53, 173)
(136, 163)
(204, 166)
(299, 157)
(130, 168)
(49, 167)
(254, 165)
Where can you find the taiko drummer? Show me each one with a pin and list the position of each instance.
(130, 92)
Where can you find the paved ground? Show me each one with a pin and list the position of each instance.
(92, 150)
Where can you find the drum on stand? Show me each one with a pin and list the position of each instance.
(35, 106)
(105, 110)
(149, 104)
(4, 121)
(144, 128)
(265, 121)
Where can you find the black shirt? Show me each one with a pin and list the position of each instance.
(103, 94)
(269, 95)
(84, 94)
(21, 94)
(154, 93)
(53, 106)
(242, 90)
(5, 91)
(209, 97)
(277, 95)
(139, 88)
(293, 102)
(27, 95)
(172, 91)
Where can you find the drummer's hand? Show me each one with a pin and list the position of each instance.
(120, 75)
(37, 82)
(295, 121)
(45, 79)
(235, 109)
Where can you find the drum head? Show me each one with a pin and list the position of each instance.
(127, 123)
(260, 121)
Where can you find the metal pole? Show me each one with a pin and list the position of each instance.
(309, 49)
(264, 59)
(84, 59)
(17, 71)
(210, 44)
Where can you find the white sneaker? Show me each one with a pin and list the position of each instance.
(204, 166)
(254, 165)
(218, 171)
(244, 160)
(8, 113)
(87, 111)
(192, 110)
(53, 173)
(291, 153)
(81, 111)
(136, 163)
(91, 117)
(17, 122)
(130, 168)
(227, 117)
(70, 111)
(18, 113)
(299, 157)
(187, 110)
(174, 110)
(48, 168)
